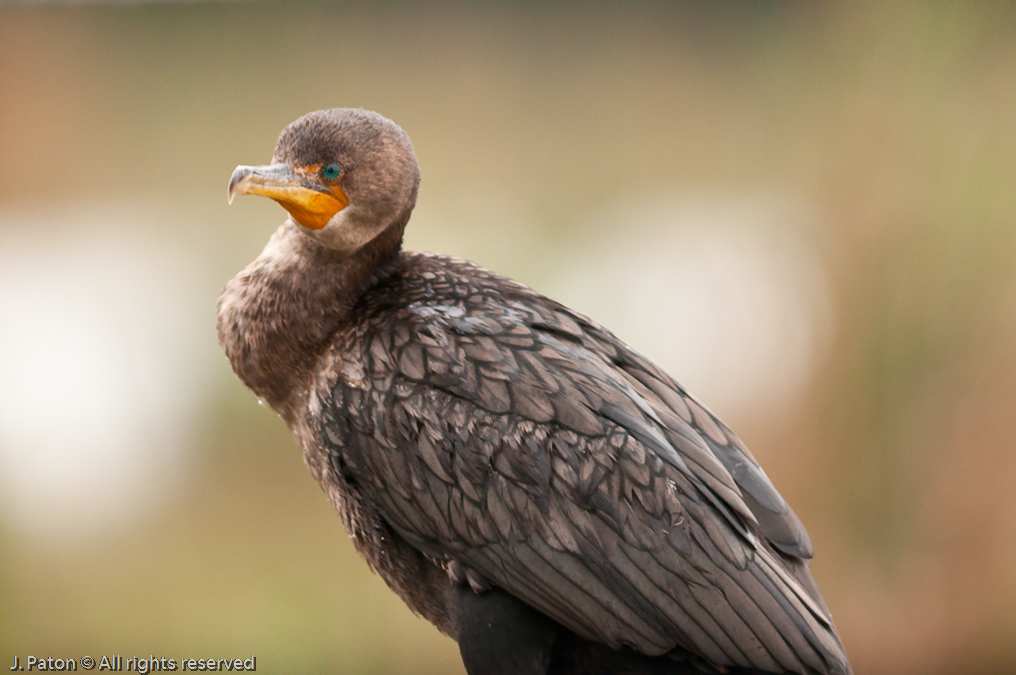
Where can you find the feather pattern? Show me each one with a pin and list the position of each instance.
(495, 429)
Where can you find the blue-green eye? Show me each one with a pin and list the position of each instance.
(331, 172)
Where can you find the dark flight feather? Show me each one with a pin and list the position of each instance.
(585, 482)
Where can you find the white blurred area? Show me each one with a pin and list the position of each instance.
(724, 292)
(100, 365)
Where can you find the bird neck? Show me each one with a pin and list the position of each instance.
(277, 317)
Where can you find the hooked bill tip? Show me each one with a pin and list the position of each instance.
(239, 173)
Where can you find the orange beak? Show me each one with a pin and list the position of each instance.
(310, 203)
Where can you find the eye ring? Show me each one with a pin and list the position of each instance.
(332, 171)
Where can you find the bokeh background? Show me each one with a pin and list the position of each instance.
(804, 211)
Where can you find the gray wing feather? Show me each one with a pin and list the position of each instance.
(522, 440)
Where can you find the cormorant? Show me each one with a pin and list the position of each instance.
(519, 476)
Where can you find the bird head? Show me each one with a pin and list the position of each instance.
(344, 175)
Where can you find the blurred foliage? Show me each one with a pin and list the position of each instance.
(892, 121)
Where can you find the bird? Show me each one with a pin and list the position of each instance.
(516, 474)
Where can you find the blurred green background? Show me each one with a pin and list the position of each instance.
(804, 211)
